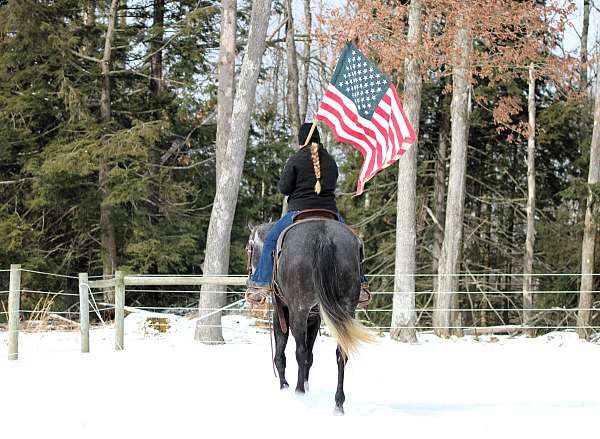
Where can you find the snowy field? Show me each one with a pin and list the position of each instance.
(167, 386)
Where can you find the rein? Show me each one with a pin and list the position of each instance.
(271, 340)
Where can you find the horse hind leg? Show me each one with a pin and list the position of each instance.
(299, 331)
(339, 394)
(280, 344)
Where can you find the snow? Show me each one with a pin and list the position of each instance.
(164, 385)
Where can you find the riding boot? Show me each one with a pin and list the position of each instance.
(365, 295)
(257, 295)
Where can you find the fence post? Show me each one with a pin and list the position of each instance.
(14, 296)
(119, 310)
(84, 312)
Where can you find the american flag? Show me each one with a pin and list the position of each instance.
(362, 108)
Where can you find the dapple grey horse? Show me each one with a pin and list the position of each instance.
(318, 277)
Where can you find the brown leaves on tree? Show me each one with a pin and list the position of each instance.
(507, 36)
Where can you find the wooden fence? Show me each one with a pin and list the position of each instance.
(118, 282)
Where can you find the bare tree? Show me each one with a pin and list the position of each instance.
(530, 239)
(107, 228)
(404, 316)
(459, 109)
(590, 227)
(305, 71)
(226, 72)
(292, 66)
(439, 189)
(583, 78)
(216, 258)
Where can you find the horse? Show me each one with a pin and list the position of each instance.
(318, 276)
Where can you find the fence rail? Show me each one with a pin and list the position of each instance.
(505, 302)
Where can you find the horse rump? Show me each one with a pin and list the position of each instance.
(337, 306)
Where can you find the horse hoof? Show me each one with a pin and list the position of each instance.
(300, 392)
(284, 386)
(338, 411)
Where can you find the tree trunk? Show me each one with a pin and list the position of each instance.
(226, 72)
(305, 62)
(107, 229)
(216, 258)
(292, 66)
(122, 15)
(156, 60)
(590, 228)
(439, 190)
(89, 13)
(530, 239)
(156, 88)
(583, 78)
(404, 316)
(119, 57)
(447, 280)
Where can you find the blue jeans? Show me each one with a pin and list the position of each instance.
(263, 275)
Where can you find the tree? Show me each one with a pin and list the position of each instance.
(226, 78)
(107, 228)
(583, 77)
(439, 188)
(588, 245)
(292, 66)
(156, 90)
(216, 258)
(530, 240)
(461, 78)
(305, 72)
(404, 316)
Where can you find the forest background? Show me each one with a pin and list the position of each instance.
(110, 147)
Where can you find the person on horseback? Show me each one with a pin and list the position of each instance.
(308, 179)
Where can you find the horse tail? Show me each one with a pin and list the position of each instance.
(340, 321)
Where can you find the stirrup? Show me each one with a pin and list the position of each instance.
(257, 295)
(365, 296)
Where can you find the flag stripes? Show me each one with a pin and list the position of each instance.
(381, 140)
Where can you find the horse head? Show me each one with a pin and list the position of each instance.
(255, 244)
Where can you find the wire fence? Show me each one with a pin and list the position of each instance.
(483, 302)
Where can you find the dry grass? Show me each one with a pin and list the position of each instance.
(42, 319)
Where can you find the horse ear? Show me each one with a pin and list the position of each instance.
(251, 227)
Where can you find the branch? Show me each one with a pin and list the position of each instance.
(21, 180)
(82, 56)
(435, 220)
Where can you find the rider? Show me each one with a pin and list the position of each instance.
(308, 179)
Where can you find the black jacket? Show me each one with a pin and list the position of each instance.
(298, 181)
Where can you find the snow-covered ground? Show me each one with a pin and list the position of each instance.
(167, 386)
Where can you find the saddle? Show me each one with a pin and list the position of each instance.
(315, 213)
(300, 217)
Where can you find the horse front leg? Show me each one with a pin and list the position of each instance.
(314, 322)
(280, 344)
(339, 394)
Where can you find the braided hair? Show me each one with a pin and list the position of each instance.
(314, 155)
